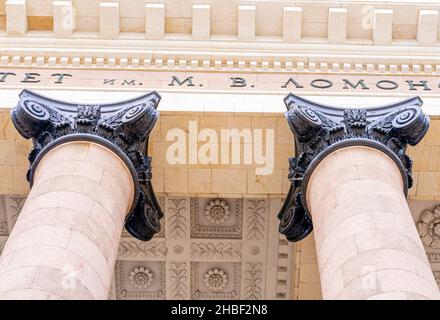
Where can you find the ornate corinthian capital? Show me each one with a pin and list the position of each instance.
(320, 129)
(122, 127)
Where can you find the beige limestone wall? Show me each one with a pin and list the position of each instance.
(207, 179)
(2, 15)
(14, 163)
(65, 241)
(366, 241)
(305, 280)
(40, 23)
(225, 180)
(426, 167)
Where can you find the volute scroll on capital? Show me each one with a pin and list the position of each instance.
(321, 129)
(122, 127)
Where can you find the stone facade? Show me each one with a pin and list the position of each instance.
(225, 65)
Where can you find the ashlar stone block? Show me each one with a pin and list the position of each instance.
(427, 27)
(383, 26)
(246, 22)
(109, 19)
(63, 18)
(154, 20)
(337, 25)
(16, 17)
(292, 21)
(201, 21)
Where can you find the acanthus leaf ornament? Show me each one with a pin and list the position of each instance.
(321, 129)
(123, 127)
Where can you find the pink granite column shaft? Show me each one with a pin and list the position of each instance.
(366, 240)
(65, 241)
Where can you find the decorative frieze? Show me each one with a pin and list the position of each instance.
(219, 250)
(320, 130)
(130, 249)
(255, 220)
(212, 281)
(177, 219)
(178, 276)
(99, 61)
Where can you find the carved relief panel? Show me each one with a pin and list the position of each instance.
(426, 215)
(140, 280)
(212, 248)
(10, 207)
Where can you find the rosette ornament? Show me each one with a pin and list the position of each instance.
(429, 227)
(141, 277)
(215, 279)
(321, 129)
(217, 211)
(122, 127)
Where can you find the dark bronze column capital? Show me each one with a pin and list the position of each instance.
(321, 129)
(122, 127)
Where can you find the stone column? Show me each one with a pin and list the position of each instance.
(65, 241)
(350, 177)
(366, 240)
(89, 175)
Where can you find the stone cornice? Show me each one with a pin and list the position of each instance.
(291, 22)
(122, 127)
(320, 130)
(226, 56)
